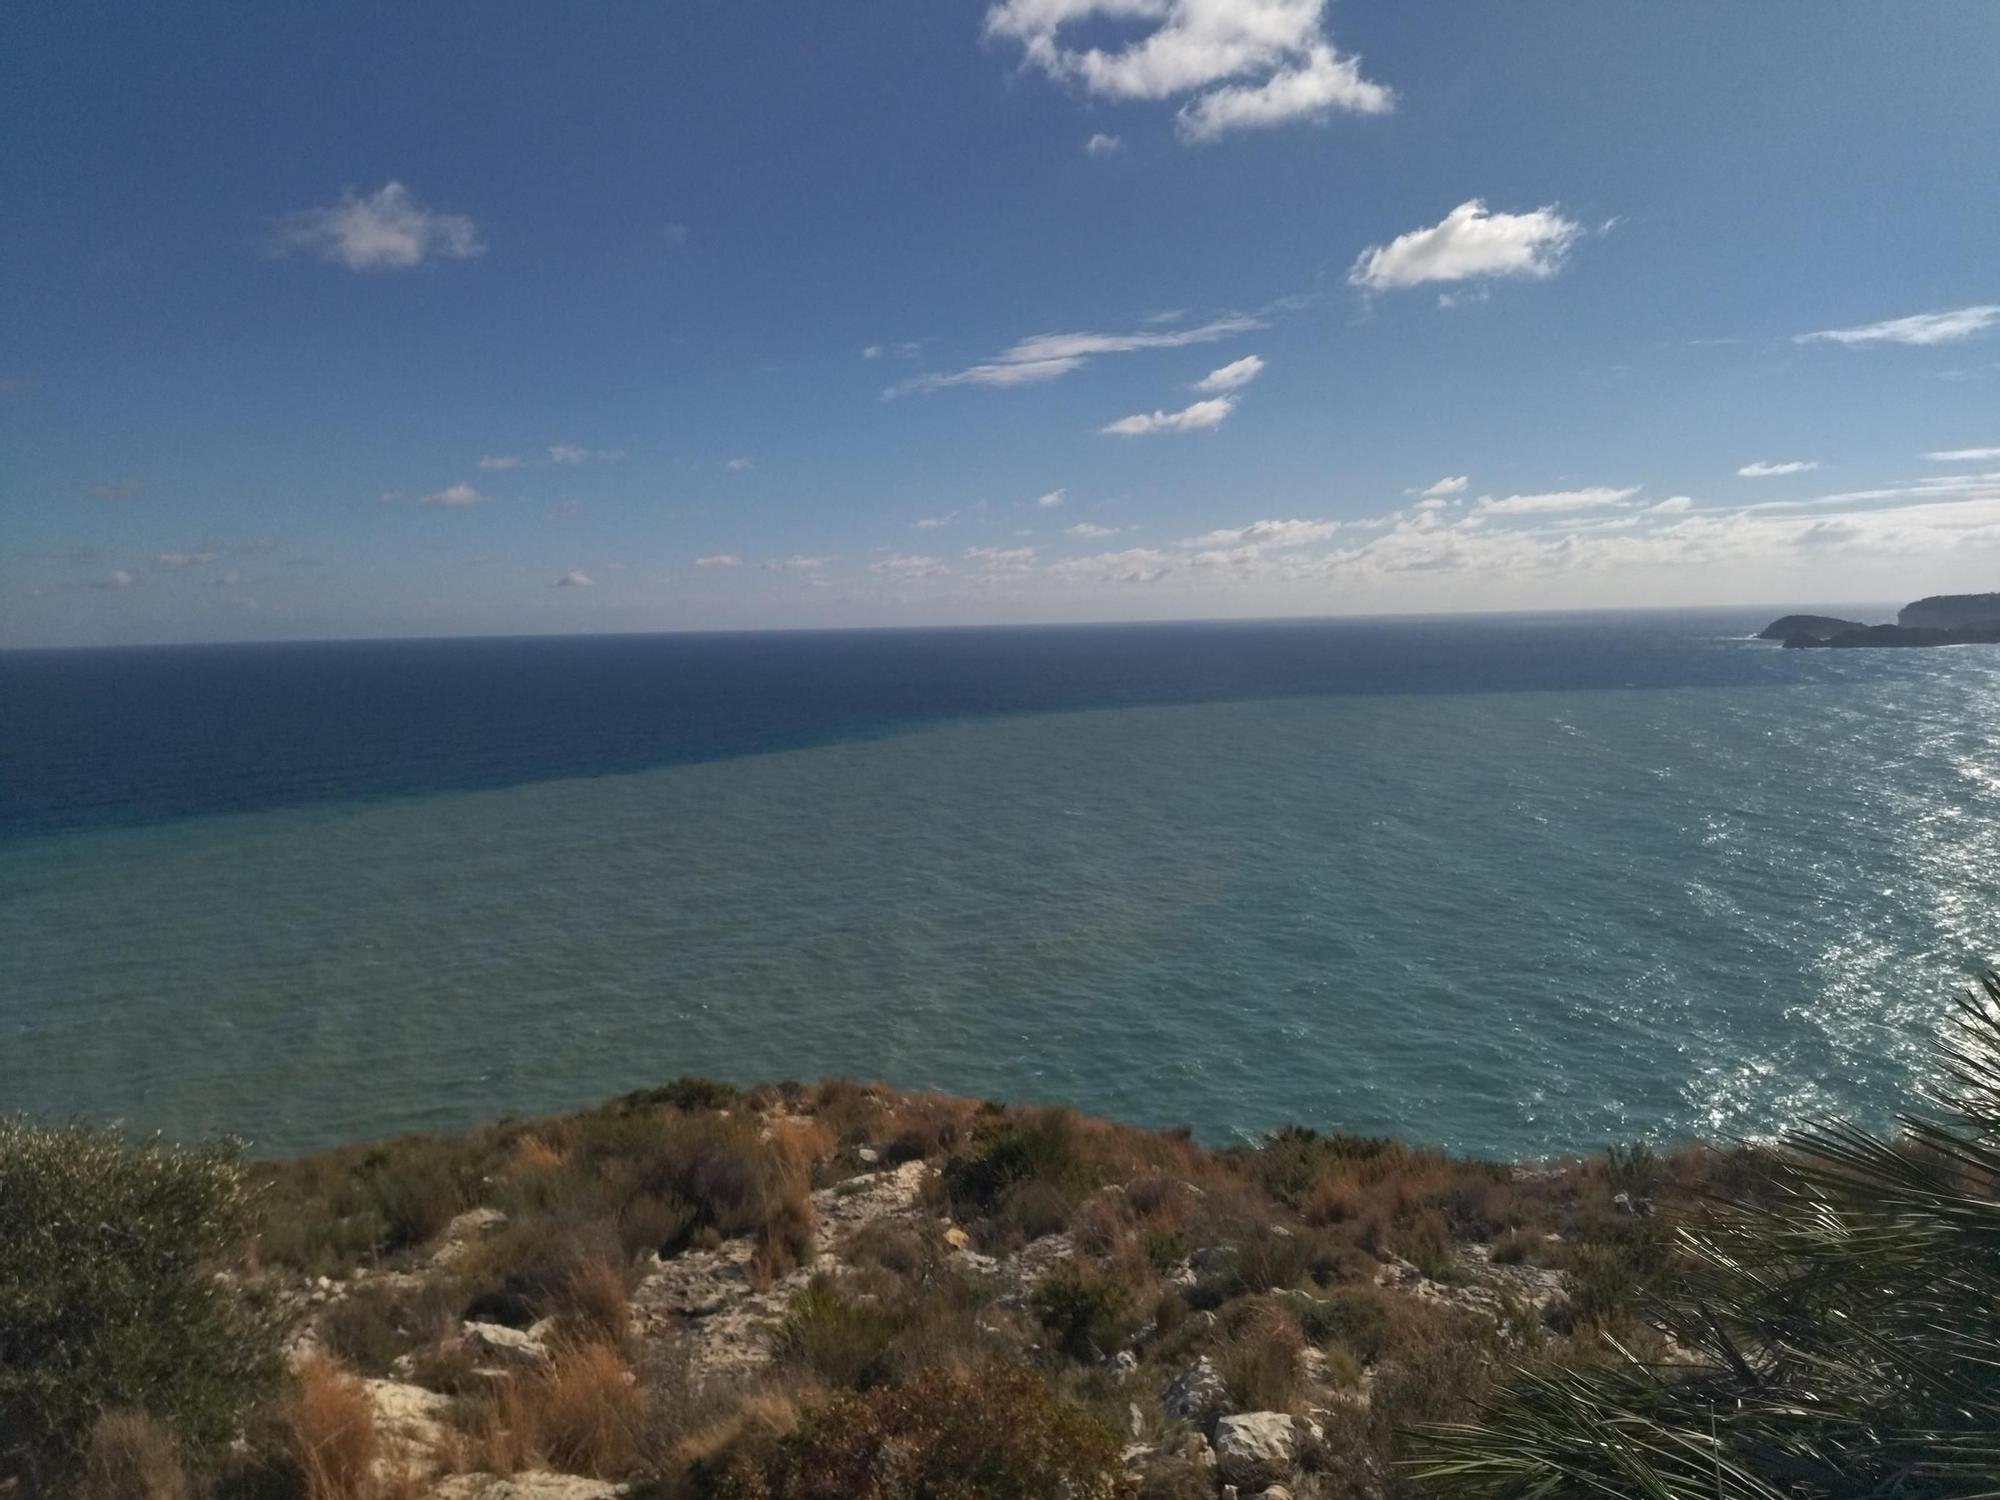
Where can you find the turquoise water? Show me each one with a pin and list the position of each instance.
(1514, 923)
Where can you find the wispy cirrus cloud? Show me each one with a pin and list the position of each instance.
(1963, 455)
(572, 453)
(1048, 356)
(1451, 484)
(387, 230)
(1470, 243)
(1918, 329)
(1773, 469)
(1239, 64)
(1199, 417)
(454, 495)
(719, 560)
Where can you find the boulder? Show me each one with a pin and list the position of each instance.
(510, 1348)
(473, 1224)
(529, 1484)
(1198, 1395)
(408, 1415)
(1256, 1449)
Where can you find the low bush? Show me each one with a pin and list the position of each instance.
(1260, 1361)
(109, 1298)
(1086, 1310)
(994, 1434)
(374, 1325)
(843, 1342)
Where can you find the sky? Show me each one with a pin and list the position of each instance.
(413, 319)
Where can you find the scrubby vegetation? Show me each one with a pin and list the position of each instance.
(1835, 1333)
(701, 1293)
(119, 1348)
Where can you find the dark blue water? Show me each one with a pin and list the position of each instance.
(142, 735)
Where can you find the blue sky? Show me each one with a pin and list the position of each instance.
(412, 319)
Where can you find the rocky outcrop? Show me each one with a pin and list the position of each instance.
(1258, 1448)
(1950, 612)
(526, 1485)
(1814, 627)
(1908, 635)
(1197, 1395)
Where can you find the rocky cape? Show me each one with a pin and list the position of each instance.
(1939, 620)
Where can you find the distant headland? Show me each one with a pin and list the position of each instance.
(1939, 620)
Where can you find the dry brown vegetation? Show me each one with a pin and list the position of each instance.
(1055, 1274)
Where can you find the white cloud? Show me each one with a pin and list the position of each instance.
(901, 565)
(739, 465)
(719, 560)
(1766, 469)
(1047, 356)
(873, 351)
(116, 579)
(1469, 243)
(1136, 565)
(932, 523)
(574, 579)
(1919, 328)
(1555, 502)
(1322, 82)
(797, 563)
(1199, 417)
(1002, 559)
(1089, 532)
(1268, 534)
(1232, 376)
(186, 559)
(1451, 484)
(570, 453)
(500, 461)
(1248, 63)
(454, 494)
(1963, 455)
(1051, 500)
(1673, 505)
(387, 230)
(1102, 145)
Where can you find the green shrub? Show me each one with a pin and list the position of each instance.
(844, 1343)
(687, 1092)
(994, 1434)
(1041, 1147)
(108, 1292)
(1085, 1309)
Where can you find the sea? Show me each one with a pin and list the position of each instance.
(1517, 886)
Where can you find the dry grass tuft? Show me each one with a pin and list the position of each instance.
(131, 1457)
(330, 1427)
